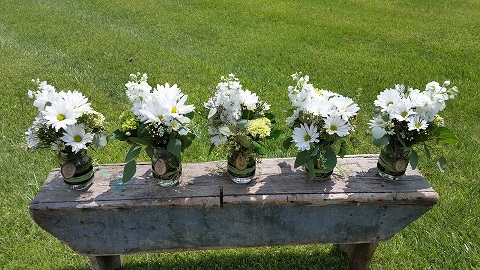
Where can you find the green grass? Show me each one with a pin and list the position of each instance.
(356, 48)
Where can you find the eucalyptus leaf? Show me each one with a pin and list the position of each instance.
(242, 124)
(212, 112)
(378, 132)
(380, 142)
(330, 159)
(302, 158)
(100, 140)
(133, 152)
(413, 159)
(129, 170)
(174, 146)
(225, 130)
(442, 163)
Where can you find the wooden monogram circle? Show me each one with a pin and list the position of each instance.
(68, 170)
(400, 165)
(160, 166)
(241, 163)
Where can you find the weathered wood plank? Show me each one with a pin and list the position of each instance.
(279, 207)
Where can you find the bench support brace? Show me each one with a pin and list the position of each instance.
(113, 262)
(359, 255)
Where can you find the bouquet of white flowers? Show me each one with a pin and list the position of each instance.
(404, 116)
(239, 120)
(158, 119)
(319, 119)
(66, 123)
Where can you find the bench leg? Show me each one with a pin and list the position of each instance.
(359, 255)
(113, 262)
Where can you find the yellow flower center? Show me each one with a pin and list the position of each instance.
(77, 138)
(307, 137)
(60, 117)
(333, 128)
(418, 125)
(174, 110)
(404, 114)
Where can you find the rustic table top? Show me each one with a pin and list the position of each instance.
(276, 181)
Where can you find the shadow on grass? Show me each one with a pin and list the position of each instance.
(278, 258)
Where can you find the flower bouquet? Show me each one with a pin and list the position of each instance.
(238, 120)
(320, 118)
(67, 124)
(405, 117)
(158, 120)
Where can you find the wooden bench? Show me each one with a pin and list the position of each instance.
(356, 209)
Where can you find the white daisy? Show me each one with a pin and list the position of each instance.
(304, 135)
(415, 122)
(387, 98)
(401, 110)
(345, 106)
(153, 112)
(336, 125)
(77, 101)
(75, 137)
(59, 115)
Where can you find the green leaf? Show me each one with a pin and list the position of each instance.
(413, 159)
(378, 132)
(129, 170)
(287, 142)
(225, 130)
(302, 158)
(242, 124)
(442, 163)
(140, 141)
(401, 140)
(174, 146)
(381, 141)
(212, 112)
(133, 152)
(259, 148)
(247, 114)
(330, 159)
(427, 151)
(100, 140)
(142, 129)
(244, 141)
(212, 146)
(149, 150)
(275, 133)
(343, 149)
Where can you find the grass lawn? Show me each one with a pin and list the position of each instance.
(355, 48)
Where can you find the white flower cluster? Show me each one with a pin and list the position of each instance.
(57, 123)
(318, 112)
(409, 108)
(228, 105)
(164, 106)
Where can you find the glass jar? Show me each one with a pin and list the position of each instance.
(241, 166)
(393, 161)
(166, 167)
(76, 169)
